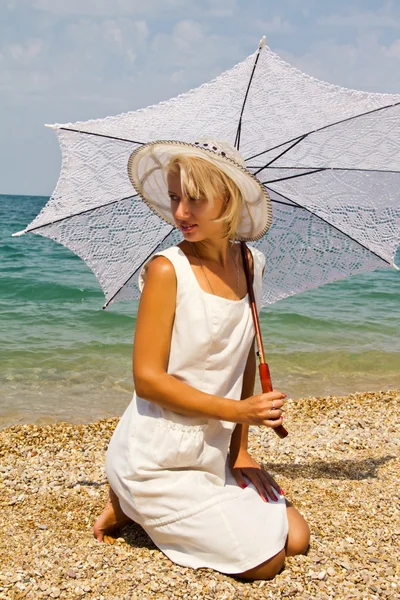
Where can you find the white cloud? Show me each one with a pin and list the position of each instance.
(188, 37)
(108, 8)
(193, 48)
(178, 76)
(97, 7)
(142, 30)
(361, 20)
(393, 50)
(276, 24)
(24, 53)
(221, 8)
(87, 58)
(366, 64)
(146, 8)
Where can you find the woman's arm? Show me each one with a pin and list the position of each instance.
(151, 349)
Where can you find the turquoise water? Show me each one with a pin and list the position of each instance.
(63, 358)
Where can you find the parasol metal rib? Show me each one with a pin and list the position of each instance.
(295, 176)
(135, 271)
(288, 204)
(330, 169)
(337, 229)
(239, 129)
(303, 135)
(103, 135)
(281, 154)
(18, 233)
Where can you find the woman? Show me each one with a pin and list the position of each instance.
(178, 462)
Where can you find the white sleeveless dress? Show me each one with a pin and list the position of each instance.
(170, 471)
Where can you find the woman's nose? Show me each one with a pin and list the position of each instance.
(182, 210)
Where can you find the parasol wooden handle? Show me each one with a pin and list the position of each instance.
(265, 377)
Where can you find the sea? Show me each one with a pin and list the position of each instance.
(63, 358)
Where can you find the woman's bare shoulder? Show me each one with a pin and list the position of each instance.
(161, 271)
(161, 265)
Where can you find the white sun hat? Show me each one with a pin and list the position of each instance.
(147, 170)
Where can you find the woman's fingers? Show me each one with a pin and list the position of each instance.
(275, 395)
(275, 404)
(256, 480)
(262, 481)
(274, 413)
(277, 400)
(237, 473)
(273, 422)
(270, 486)
(261, 409)
(270, 482)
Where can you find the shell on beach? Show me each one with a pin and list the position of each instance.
(339, 466)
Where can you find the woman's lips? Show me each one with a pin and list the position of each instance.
(187, 228)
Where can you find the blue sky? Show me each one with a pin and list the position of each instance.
(68, 60)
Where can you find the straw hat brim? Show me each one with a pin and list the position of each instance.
(147, 173)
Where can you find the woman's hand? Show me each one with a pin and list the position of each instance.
(246, 466)
(262, 409)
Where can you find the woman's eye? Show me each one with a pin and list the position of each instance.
(191, 199)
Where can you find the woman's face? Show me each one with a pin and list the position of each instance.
(193, 216)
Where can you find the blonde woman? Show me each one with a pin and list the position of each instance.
(178, 463)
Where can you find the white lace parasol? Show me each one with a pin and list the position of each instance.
(329, 157)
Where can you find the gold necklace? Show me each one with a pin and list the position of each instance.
(205, 275)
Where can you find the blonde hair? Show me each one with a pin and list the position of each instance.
(202, 179)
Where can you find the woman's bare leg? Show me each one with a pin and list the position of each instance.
(297, 542)
(266, 570)
(298, 538)
(110, 520)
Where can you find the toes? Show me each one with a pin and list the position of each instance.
(108, 539)
(97, 534)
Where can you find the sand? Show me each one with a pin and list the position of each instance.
(339, 466)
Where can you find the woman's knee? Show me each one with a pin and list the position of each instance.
(298, 539)
(266, 570)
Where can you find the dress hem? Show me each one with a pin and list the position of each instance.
(242, 567)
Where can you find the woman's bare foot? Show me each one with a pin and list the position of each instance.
(110, 520)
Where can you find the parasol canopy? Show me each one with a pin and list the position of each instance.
(328, 156)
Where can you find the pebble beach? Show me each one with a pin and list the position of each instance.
(339, 466)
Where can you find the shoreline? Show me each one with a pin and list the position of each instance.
(80, 407)
(339, 466)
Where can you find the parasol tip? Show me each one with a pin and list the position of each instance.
(18, 233)
(262, 42)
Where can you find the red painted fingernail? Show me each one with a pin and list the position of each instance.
(266, 499)
(243, 486)
(275, 498)
(282, 493)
